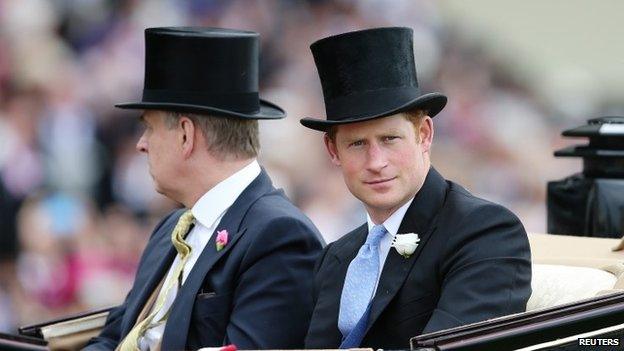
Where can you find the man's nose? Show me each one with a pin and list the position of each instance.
(376, 158)
(141, 145)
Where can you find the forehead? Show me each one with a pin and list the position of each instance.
(394, 123)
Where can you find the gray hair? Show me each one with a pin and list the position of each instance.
(225, 136)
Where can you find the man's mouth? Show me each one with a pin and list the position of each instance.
(379, 181)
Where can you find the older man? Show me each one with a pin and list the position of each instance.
(431, 255)
(234, 266)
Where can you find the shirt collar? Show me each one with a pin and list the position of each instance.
(218, 199)
(394, 221)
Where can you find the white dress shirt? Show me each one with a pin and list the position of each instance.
(392, 226)
(208, 211)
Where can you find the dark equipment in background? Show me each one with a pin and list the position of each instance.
(591, 203)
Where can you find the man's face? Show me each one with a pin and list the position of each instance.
(384, 161)
(160, 143)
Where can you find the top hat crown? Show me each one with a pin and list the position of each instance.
(369, 74)
(603, 156)
(203, 70)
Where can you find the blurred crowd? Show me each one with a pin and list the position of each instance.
(77, 203)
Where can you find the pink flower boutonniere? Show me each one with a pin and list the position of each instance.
(222, 239)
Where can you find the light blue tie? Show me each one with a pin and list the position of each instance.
(360, 281)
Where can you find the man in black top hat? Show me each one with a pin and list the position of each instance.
(234, 266)
(431, 255)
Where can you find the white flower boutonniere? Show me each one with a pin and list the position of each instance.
(405, 244)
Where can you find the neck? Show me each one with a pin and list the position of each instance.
(379, 216)
(205, 178)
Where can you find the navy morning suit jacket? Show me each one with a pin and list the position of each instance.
(473, 263)
(254, 293)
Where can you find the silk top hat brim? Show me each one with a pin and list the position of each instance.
(267, 110)
(203, 70)
(606, 139)
(602, 127)
(369, 74)
(432, 102)
(588, 152)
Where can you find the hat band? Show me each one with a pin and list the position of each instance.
(369, 103)
(239, 102)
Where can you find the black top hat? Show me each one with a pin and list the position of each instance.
(606, 139)
(203, 70)
(369, 74)
(601, 127)
(604, 155)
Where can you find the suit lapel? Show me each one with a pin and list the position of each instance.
(176, 330)
(420, 218)
(160, 257)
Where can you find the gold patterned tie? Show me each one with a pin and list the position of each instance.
(131, 341)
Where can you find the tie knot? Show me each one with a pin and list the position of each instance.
(180, 231)
(376, 234)
(186, 219)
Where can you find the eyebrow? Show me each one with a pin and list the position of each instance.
(380, 134)
(392, 131)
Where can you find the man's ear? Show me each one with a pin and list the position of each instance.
(187, 135)
(425, 133)
(332, 150)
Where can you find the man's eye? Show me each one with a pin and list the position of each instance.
(390, 138)
(357, 143)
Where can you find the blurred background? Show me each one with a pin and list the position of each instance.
(77, 204)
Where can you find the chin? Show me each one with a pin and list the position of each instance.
(386, 201)
(380, 202)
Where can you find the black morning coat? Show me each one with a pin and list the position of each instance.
(254, 293)
(473, 263)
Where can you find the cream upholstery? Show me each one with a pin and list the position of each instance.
(571, 268)
(574, 250)
(557, 284)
